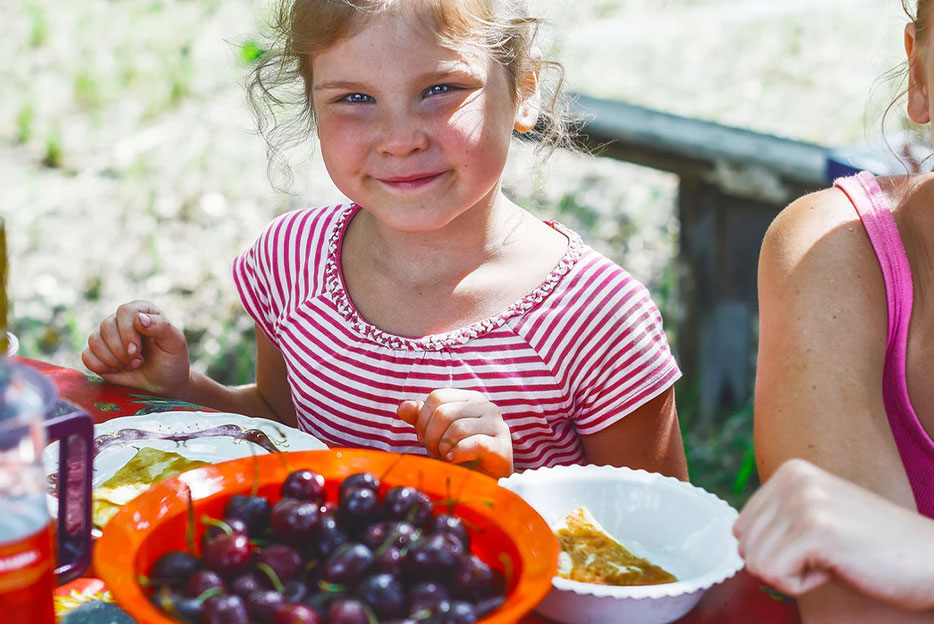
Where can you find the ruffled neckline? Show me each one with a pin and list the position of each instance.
(334, 279)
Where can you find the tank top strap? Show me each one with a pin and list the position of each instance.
(875, 211)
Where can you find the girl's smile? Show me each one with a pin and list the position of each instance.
(413, 131)
(412, 182)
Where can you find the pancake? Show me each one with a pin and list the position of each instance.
(590, 555)
(148, 467)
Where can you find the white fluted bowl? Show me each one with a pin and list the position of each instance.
(676, 525)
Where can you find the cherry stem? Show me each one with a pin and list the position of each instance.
(209, 593)
(463, 501)
(143, 580)
(255, 488)
(220, 524)
(447, 491)
(389, 468)
(190, 529)
(331, 587)
(285, 462)
(509, 569)
(273, 577)
(370, 615)
(311, 565)
(417, 533)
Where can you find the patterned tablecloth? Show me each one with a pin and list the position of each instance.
(739, 600)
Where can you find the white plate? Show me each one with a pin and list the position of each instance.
(211, 449)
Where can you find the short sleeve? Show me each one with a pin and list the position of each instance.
(253, 278)
(625, 360)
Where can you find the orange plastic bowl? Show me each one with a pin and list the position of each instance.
(506, 532)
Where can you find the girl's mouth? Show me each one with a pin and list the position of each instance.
(412, 181)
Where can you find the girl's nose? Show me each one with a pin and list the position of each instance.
(401, 135)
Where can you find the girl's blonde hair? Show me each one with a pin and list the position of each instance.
(279, 87)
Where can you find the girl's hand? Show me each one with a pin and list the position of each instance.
(806, 525)
(138, 347)
(461, 426)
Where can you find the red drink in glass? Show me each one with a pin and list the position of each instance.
(27, 571)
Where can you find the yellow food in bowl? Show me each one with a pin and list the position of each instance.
(590, 555)
(148, 467)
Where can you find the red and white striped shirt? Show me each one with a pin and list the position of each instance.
(571, 358)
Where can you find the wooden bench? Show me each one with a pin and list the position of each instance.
(732, 183)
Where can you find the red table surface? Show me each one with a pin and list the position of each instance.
(738, 600)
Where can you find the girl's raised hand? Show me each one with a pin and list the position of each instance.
(806, 526)
(461, 426)
(138, 347)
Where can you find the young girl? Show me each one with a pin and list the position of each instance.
(843, 381)
(431, 314)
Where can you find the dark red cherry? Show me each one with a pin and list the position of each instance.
(227, 609)
(228, 554)
(348, 612)
(173, 568)
(348, 564)
(407, 504)
(296, 613)
(295, 520)
(283, 559)
(359, 479)
(262, 603)
(384, 593)
(304, 485)
(203, 580)
(253, 510)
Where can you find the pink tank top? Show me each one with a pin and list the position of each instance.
(914, 445)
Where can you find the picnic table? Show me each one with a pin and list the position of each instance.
(738, 600)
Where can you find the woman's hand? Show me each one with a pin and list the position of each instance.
(138, 347)
(806, 525)
(462, 426)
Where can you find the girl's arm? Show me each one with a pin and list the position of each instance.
(647, 438)
(822, 343)
(139, 347)
(270, 397)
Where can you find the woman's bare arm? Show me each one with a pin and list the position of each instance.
(819, 381)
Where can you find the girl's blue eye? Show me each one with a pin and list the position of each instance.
(439, 89)
(357, 98)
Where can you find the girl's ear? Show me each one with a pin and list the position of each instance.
(530, 99)
(918, 105)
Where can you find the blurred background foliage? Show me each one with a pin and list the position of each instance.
(129, 167)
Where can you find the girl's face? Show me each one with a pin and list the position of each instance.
(415, 133)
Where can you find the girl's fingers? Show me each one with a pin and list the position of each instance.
(166, 336)
(408, 411)
(110, 334)
(434, 400)
(95, 364)
(493, 456)
(810, 580)
(130, 338)
(471, 448)
(102, 353)
(445, 415)
(464, 428)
